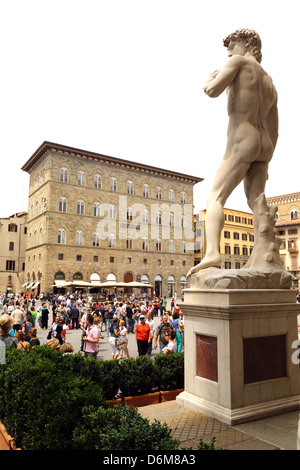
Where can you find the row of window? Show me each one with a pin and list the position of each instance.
(113, 185)
(292, 231)
(238, 219)
(237, 250)
(293, 214)
(236, 236)
(11, 265)
(228, 265)
(79, 258)
(110, 210)
(112, 241)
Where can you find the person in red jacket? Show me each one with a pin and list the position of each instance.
(142, 335)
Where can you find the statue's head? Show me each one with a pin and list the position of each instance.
(250, 38)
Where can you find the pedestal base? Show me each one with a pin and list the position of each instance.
(240, 350)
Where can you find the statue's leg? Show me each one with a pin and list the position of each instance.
(254, 184)
(229, 175)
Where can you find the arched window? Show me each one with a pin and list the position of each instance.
(183, 283)
(146, 190)
(145, 244)
(158, 192)
(171, 219)
(34, 239)
(36, 208)
(112, 212)
(158, 244)
(81, 178)
(61, 235)
(171, 195)
(97, 209)
(112, 241)
(80, 207)
(158, 218)
(145, 216)
(59, 276)
(171, 286)
(183, 247)
(98, 182)
(62, 204)
(130, 187)
(294, 214)
(171, 246)
(96, 239)
(64, 175)
(79, 238)
(129, 243)
(77, 277)
(183, 198)
(129, 213)
(41, 236)
(113, 184)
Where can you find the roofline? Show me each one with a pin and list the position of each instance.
(46, 146)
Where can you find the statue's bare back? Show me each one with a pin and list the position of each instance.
(251, 101)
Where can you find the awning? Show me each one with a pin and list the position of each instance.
(138, 284)
(36, 284)
(29, 285)
(107, 284)
(58, 283)
(23, 285)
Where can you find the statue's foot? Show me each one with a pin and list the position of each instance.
(213, 261)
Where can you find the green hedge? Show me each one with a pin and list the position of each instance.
(46, 398)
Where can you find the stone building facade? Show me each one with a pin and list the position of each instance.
(13, 235)
(92, 216)
(237, 238)
(288, 229)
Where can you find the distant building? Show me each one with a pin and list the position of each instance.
(288, 229)
(13, 234)
(237, 238)
(100, 218)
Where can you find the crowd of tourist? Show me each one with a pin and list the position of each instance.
(21, 319)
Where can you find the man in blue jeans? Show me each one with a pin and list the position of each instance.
(129, 315)
(109, 319)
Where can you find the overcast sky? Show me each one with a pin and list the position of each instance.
(124, 78)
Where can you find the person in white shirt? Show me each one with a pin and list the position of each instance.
(171, 346)
(151, 323)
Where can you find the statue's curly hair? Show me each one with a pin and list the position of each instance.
(251, 39)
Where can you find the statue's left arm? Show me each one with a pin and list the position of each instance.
(218, 81)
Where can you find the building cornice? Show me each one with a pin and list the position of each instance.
(50, 146)
(284, 199)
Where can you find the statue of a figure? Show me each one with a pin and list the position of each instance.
(251, 137)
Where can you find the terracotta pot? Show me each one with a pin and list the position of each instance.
(6, 441)
(143, 400)
(169, 395)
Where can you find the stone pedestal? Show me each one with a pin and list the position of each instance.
(239, 346)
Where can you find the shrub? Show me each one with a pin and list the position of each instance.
(41, 402)
(169, 371)
(105, 373)
(121, 428)
(137, 376)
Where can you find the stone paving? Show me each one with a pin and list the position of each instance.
(190, 427)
